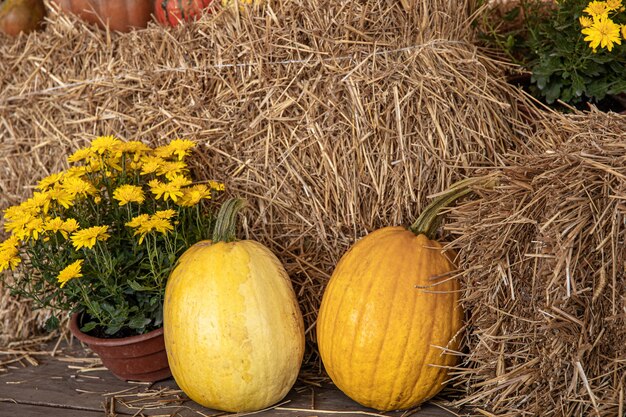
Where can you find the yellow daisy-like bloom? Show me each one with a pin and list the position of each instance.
(32, 229)
(70, 226)
(138, 220)
(613, 4)
(164, 214)
(78, 186)
(604, 33)
(71, 271)
(50, 181)
(157, 224)
(585, 21)
(61, 196)
(81, 155)
(217, 186)
(172, 169)
(178, 147)
(134, 147)
(39, 202)
(193, 195)
(104, 144)
(77, 172)
(151, 164)
(624, 31)
(128, 194)
(87, 238)
(597, 9)
(170, 190)
(57, 224)
(9, 254)
(17, 225)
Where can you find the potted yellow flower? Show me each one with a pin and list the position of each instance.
(574, 50)
(100, 239)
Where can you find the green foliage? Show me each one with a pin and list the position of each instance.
(547, 41)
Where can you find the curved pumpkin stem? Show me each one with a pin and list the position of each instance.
(226, 222)
(428, 220)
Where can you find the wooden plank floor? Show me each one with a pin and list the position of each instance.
(77, 386)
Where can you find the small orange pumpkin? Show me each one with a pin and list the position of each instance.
(21, 16)
(119, 15)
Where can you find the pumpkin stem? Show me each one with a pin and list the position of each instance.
(428, 220)
(226, 222)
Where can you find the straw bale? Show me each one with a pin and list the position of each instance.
(544, 260)
(331, 118)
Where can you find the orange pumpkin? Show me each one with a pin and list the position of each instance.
(390, 318)
(119, 15)
(21, 16)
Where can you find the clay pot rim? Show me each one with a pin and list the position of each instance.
(83, 337)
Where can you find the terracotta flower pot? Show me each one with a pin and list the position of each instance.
(120, 15)
(136, 358)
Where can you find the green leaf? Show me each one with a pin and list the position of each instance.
(87, 327)
(112, 329)
(138, 322)
(52, 323)
(137, 286)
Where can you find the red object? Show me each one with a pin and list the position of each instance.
(134, 358)
(119, 15)
(172, 12)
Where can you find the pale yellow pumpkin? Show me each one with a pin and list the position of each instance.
(233, 330)
(390, 320)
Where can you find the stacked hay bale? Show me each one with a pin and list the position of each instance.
(332, 118)
(544, 260)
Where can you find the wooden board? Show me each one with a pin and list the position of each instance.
(64, 387)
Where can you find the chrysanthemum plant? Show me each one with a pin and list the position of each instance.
(101, 237)
(575, 49)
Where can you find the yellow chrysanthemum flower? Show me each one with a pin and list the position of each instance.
(164, 214)
(78, 186)
(70, 226)
(613, 4)
(138, 220)
(39, 202)
(9, 257)
(193, 195)
(172, 169)
(134, 147)
(50, 181)
(604, 33)
(57, 224)
(151, 164)
(128, 193)
(153, 224)
(17, 225)
(597, 9)
(32, 229)
(624, 31)
(70, 272)
(81, 155)
(61, 196)
(178, 147)
(585, 21)
(9, 253)
(87, 238)
(170, 190)
(104, 144)
(217, 186)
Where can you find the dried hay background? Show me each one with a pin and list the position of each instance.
(333, 119)
(544, 260)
